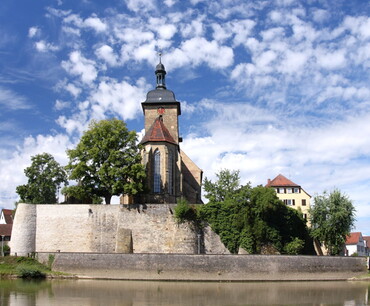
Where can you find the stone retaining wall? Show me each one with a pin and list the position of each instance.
(84, 228)
(206, 267)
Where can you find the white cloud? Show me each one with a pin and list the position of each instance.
(118, 98)
(43, 46)
(331, 59)
(320, 15)
(106, 53)
(33, 31)
(12, 100)
(73, 90)
(59, 104)
(81, 66)
(95, 23)
(169, 3)
(197, 51)
(166, 31)
(140, 5)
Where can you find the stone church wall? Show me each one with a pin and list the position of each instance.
(105, 229)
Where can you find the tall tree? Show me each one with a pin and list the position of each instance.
(332, 218)
(106, 162)
(45, 176)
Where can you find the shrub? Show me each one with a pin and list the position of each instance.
(30, 273)
(185, 212)
(294, 247)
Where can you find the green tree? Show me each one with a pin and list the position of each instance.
(252, 217)
(106, 162)
(45, 176)
(332, 217)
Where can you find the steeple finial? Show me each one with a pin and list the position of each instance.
(160, 73)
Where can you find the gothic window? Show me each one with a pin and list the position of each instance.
(170, 172)
(157, 172)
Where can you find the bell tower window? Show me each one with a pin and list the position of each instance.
(157, 172)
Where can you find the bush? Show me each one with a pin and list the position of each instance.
(6, 250)
(294, 247)
(185, 212)
(30, 273)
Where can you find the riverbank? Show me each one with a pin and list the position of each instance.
(22, 267)
(218, 268)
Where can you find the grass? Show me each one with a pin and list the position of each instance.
(24, 267)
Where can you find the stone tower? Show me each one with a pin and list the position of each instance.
(170, 173)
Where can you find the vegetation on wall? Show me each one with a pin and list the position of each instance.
(106, 162)
(251, 218)
(332, 217)
(45, 176)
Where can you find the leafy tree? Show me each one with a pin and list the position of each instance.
(332, 218)
(228, 182)
(106, 162)
(252, 217)
(45, 176)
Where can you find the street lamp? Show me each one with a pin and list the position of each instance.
(2, 245)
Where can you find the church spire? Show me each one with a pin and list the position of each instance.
(160, 73)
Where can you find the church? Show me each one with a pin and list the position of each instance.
(171, 174)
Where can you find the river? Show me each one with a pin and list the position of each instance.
(140, 293)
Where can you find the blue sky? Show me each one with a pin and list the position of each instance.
(266, 87)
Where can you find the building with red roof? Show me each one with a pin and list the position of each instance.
(291, 194)
(355, 244)
(6, 225)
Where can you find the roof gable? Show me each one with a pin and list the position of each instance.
(353, 238)
(8, 215)
(158, 133)
(281, 181)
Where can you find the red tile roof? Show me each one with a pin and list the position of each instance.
(281, 181)
(158, 132)
(8, 215)
(353, 238)
(6, 229)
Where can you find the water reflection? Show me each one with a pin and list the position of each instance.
(126, 293)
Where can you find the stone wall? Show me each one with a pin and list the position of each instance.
(106, 229)
(207, 267)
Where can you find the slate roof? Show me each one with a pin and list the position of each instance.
(281, 181)
(158, 133)
(8, 215)
(6, 229)
(353, 238)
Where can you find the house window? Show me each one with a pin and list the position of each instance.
(281, 190)
(305, 216)
(296, 190)
(303, 202)
(289, 190)
(289, 202)
(170, 172)
(157, 172)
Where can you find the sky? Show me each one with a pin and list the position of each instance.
(266, 87)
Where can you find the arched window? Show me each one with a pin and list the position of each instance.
(157, 172)
(170, 172)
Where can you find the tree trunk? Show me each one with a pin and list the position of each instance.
(107, 199)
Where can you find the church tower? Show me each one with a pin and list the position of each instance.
(171, 175)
